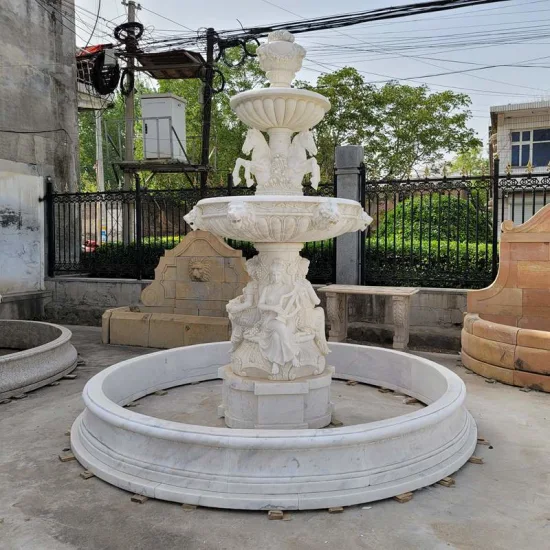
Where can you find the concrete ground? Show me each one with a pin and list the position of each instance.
(45, 504)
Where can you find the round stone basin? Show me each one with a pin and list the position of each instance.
(33, 354)
(263, 469)
(290, 108)
(284, 218)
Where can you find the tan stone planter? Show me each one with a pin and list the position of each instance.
(131, 327)
(506, 334)
(512, 355)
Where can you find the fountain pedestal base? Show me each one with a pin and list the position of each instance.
(269, 404)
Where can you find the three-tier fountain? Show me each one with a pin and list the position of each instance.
(276, 451)
(278, 376)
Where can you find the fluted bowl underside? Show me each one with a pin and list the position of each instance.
(279, 218)
(290, 108)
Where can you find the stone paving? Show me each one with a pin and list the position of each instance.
(46, 505)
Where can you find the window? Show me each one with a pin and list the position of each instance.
(531, 145)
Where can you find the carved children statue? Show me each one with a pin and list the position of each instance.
(311, 319)
(243, 310)
(278, 307)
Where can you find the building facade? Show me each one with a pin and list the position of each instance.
(520, 136)
(38, 136)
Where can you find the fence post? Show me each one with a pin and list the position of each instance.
(50, 224)
(229, 184)
(496, 173)
(349, 160)
(139, 231)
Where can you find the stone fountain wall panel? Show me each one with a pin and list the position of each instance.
(196, 276)
(508, 324)
(186, 303)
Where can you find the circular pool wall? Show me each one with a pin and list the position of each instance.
(42, 353)
(262, 469)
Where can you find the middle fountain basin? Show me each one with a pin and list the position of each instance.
(281, 218)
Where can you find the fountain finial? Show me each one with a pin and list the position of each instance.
(281, 58)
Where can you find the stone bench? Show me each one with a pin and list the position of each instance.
(337, 309)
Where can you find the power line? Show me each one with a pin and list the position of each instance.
(95, 24)
(167, 18)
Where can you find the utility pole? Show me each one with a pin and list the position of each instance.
(207, 106)
(100, 174)
(131, 47)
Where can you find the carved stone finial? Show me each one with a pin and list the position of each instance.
(280, 58)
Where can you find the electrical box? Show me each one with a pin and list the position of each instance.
(164, 135)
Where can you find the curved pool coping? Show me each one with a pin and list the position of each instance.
(263, 469)
(512, 355)
(32, 368)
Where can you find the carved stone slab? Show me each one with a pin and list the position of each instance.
(197, 277)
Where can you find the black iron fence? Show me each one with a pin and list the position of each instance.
(443, 231)
(123, 234)
(431, 232)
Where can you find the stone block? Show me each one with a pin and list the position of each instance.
(166, 331)
(533, 274)
(535, 312)
(496, 332)
(488, 351)
(270, 404)
(506, 376)
(469, 321)
(529, 251)
(533, 360)
(202, 306)
(233, 273)
(531, 380)
(105, 326)
(510, 320)
(129, 328)
(537, 297)
(198, 291)
(534, 323)
(534, 339)
(202, 330)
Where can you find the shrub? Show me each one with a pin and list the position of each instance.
(436, 216)
(448, 264)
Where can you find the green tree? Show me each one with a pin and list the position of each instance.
(351, 118)
(416, 128)
(402, 127)
(471, 162)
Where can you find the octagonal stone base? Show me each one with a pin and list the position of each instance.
(269, 404)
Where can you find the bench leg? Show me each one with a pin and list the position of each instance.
(337, 312)
(401, 321)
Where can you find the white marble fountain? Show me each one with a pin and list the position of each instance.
(276, 377)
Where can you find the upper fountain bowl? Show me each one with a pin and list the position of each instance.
(289, 219)
(290, 108)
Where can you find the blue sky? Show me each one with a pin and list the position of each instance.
(516, 32)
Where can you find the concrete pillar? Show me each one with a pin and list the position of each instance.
(348, 161)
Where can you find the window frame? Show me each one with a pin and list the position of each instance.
(521, 143)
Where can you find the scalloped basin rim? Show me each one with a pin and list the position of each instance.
(276, 199)
(283, 93)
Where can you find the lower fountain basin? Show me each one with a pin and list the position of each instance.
(280, 218)
(258, 469)
(42, 353)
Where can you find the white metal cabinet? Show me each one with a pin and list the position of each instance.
(163, 118)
